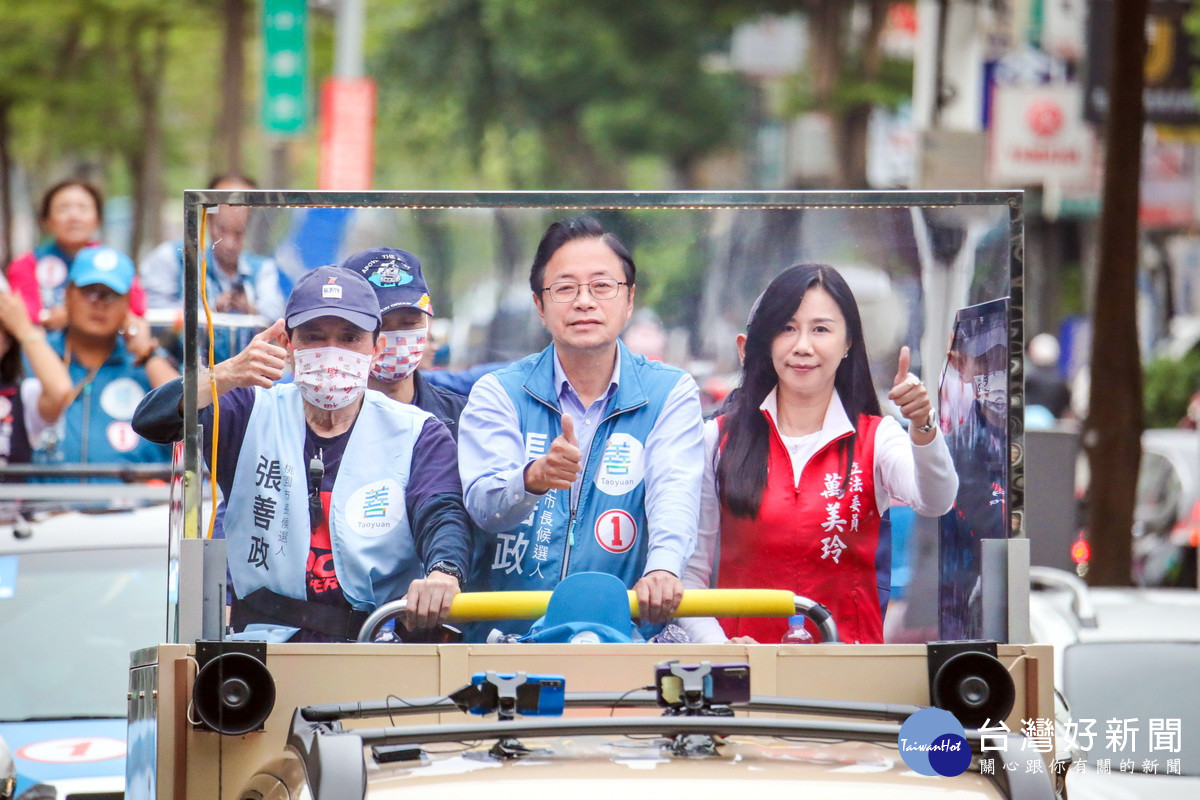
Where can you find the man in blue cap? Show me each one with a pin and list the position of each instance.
(407, 310)
(336, 498)
(112, 362)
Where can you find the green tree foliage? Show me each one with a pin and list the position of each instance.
(561, 94)
(1168, 386)
(80, 85)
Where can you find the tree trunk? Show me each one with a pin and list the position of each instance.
(1113, 428)
(147, 67)
(6, 212)
(853, 122)
(232, 87)
(852, 127)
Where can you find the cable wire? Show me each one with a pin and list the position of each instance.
(212, 377)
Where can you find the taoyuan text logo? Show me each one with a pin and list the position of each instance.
(932, 742)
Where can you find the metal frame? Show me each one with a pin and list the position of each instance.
(199, 201)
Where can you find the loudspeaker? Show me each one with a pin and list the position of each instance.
(234, 691)
(966, 679)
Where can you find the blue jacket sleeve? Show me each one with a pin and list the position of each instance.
(440, 526)
(158, 416)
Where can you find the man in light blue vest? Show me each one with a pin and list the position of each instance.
(583, 457)
(337, 498)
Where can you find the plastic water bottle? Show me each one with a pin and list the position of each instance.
(796, 633)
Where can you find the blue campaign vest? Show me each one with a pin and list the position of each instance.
(609, 531)
(95, 428)
(266, 516)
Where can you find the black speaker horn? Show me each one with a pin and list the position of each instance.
(966, 679)
(234, 692)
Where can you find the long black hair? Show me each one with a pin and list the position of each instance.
(745, 435)
(11, 369)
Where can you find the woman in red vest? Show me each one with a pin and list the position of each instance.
(802, 465)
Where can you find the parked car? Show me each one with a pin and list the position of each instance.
(1126, 661)
(1166, 523)
(83, 581)
(1166, 528)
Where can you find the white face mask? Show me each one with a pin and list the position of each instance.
(331, 377)
(402, 352)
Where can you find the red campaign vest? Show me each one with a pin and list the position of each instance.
(799, 531)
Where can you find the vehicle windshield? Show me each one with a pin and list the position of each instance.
(61, 605)
(1143, 699)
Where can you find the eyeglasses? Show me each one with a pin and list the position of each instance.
(567, 291)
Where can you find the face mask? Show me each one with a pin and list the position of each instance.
(330, 377)
(402, 353)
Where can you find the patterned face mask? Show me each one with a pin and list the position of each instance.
(402, 352)
(331, 377)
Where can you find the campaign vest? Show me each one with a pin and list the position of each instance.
(606, 531)
(809, 540)
(96, 427)
(266, 516)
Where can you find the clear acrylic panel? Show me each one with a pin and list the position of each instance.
(935, 271)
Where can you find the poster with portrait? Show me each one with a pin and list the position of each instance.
(973, 398)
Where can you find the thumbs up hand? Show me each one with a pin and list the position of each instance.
(902, 366)
(910, 395)
(559, 468)
(261, 363)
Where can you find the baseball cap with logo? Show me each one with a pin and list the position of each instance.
(100, 264)
(332, 292)
(396, 277)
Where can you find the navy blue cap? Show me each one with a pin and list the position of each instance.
(396, 277)
(332, 292)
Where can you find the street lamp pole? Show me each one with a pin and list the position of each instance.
(349, 24)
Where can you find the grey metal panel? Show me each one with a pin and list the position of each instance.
(1018, 592)
(1051, 514)
(213, 613)
(190, 616)
(993, 584)
(1004, 582)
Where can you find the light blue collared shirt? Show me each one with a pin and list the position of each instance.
(492, 461)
